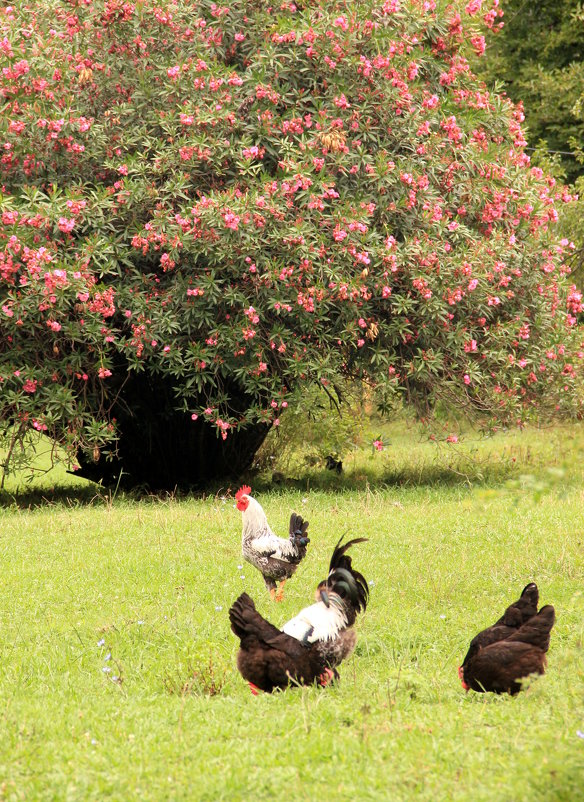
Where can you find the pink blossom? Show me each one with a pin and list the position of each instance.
(66, 224)
(30, 386)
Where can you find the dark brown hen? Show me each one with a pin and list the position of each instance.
(267, 657)
(514, 616)
(499, 667)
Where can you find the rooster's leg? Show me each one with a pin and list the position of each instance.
(280, 593)
(273, 594)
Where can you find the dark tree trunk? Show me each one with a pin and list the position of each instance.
(162, 449)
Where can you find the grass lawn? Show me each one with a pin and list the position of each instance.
(118, 664)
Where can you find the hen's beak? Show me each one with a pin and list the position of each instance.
(325, 598)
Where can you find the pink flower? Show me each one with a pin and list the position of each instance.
(66, 224)
(103, 373)
(173, 72)
(466, 378)
(378, 445)
(452, 438)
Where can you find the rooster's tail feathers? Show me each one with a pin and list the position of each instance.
(344, 579)
(298, 529)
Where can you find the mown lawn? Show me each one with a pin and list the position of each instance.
(455, 533)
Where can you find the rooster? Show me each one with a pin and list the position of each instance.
(501, 665)
(328, 624)
(514, 616)
(311, 645)
(276, 558)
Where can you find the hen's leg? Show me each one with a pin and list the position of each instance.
(327, 676)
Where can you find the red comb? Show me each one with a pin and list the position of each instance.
(243, 491)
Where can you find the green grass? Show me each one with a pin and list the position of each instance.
(454, 536)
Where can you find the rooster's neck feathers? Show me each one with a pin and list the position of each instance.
(254, 520)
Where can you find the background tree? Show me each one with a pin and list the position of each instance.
(537, 58)
(208, 207)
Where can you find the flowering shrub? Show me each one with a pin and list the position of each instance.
(210, 206)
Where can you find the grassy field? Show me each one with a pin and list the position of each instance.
(118, 665)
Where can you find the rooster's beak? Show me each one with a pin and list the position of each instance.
(325, 598)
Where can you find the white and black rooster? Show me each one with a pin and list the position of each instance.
(327, 625)
(275, 557)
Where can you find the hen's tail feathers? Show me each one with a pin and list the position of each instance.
(537, 630)
(247, 623)
(239, 615)
(523, 609)
(298, 528)
(344, 580)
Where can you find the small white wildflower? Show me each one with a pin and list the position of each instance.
(108, 656)
(242, 576)
(140, 622)
(218, 607)
(101, 642)
(304, 500)
(580, 734)
(93, 742)
(443, 617)
(106, 669)
(239, 567)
